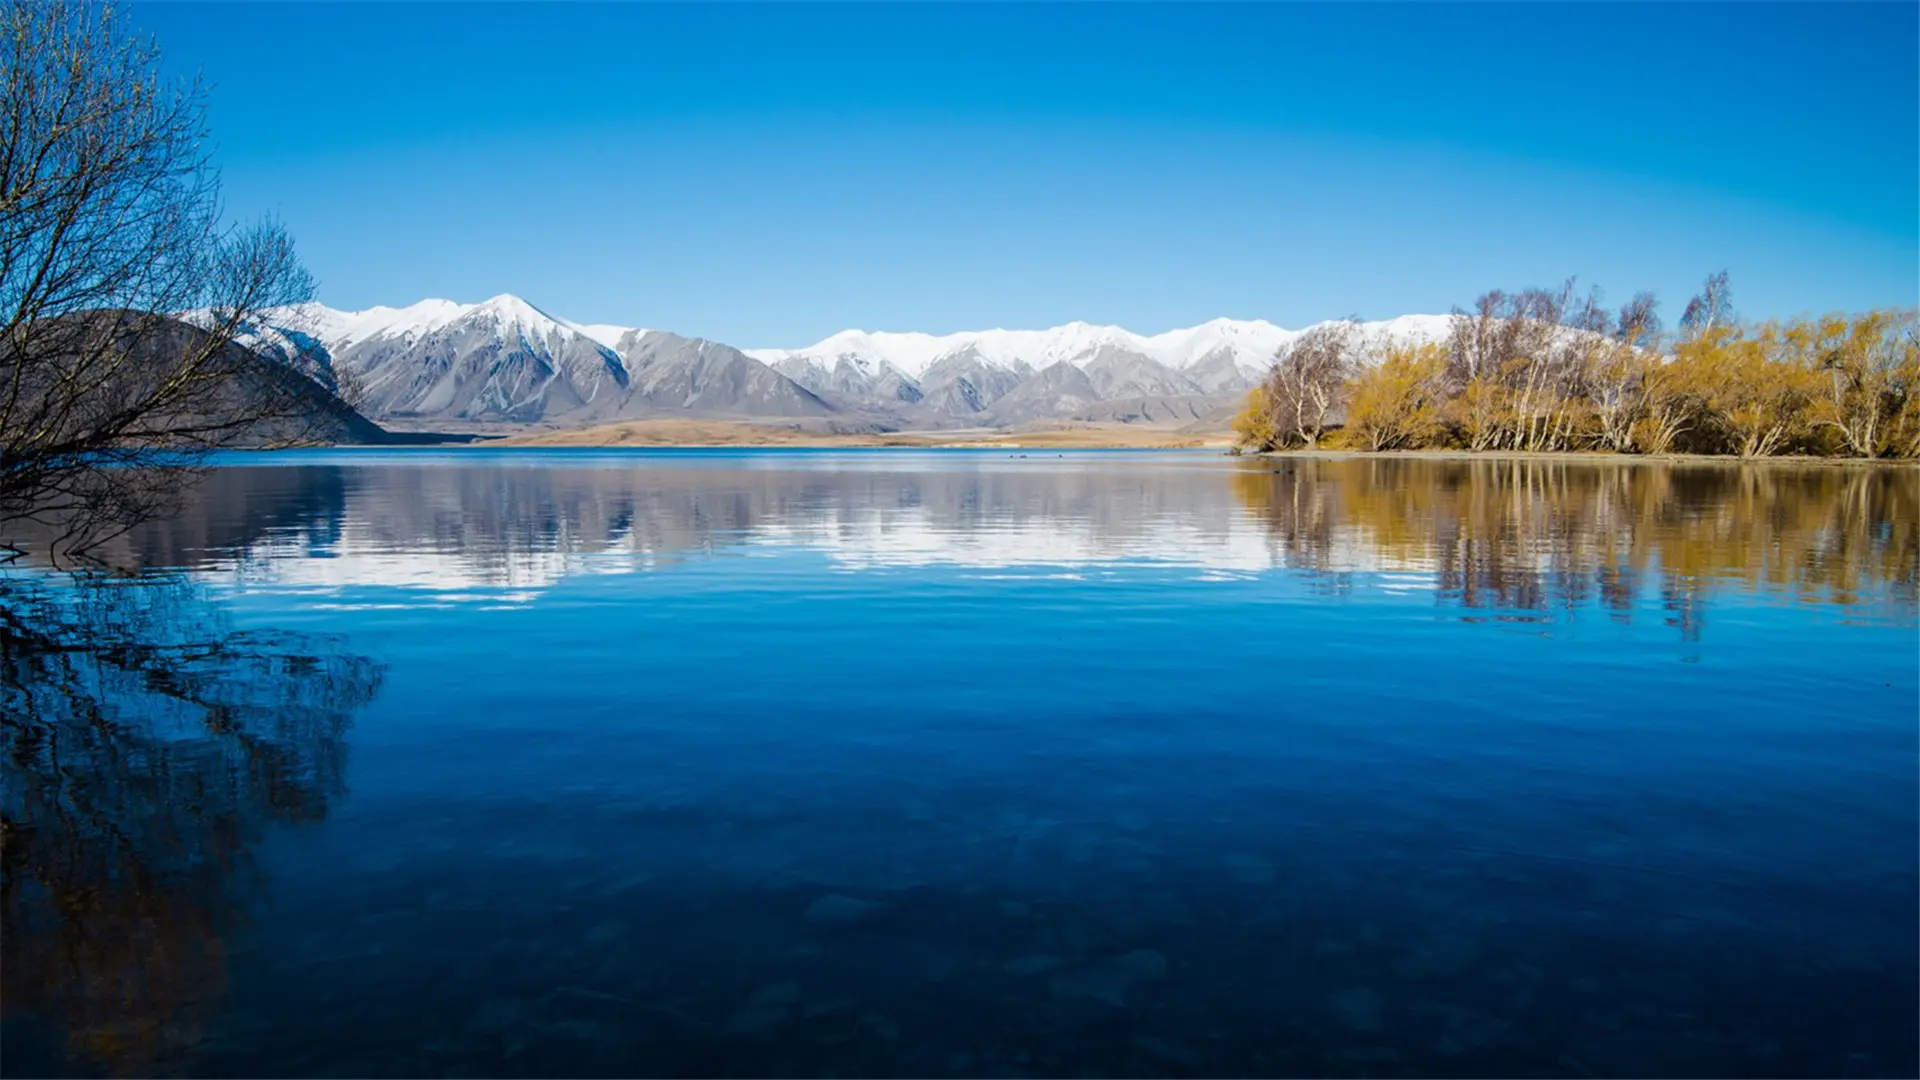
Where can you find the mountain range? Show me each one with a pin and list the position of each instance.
(506, 361)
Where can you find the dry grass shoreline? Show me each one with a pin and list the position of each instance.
(675, 434)
(671, 434)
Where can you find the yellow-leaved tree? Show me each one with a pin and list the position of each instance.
(1395, 405)
(1755, 395)
(1869, 376)
(1257, 427)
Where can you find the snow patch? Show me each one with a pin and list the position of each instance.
(338, 330)
(1252, 344)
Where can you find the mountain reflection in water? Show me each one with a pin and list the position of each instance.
(1509, 538)
(903, 763)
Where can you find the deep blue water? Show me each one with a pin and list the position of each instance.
(949, 763)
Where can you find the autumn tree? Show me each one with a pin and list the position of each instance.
(109, 229)
(1310, 379)
(1710, 309)
(1297, 401)
(1617, 379)
(1512, 376)
(1668, 407)
(1869, 369)
(1556, 370)
(1256, 427)
(1751, 395)
(1395, 405)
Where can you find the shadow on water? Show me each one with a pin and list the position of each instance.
(148, 746)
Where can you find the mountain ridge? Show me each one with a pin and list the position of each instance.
(507, 360)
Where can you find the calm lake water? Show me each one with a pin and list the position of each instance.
(586, 763)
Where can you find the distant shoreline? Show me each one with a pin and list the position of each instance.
(679, 434)
(692, 434)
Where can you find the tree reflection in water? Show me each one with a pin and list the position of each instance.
(1516, 539)
(148, 745)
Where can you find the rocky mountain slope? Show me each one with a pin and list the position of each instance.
(505, 360)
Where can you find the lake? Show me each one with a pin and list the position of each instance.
(876, 763)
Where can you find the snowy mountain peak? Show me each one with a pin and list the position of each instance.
(506, 358)
(511, 313)
(1217, 346)
(503, 314)
(509, 306)
(1247, 344)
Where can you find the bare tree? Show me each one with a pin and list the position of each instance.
(1711, 308)
(110, 228)
(1514, 370)
(1617, 383)
(1639, 323)
(1308, 381)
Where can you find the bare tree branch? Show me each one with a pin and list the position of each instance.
(109, 229)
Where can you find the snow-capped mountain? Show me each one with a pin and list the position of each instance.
(507, 314)
(976, 373)
(1250, 344)
(505, 359)
(502, 358)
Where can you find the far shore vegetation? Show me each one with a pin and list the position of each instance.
(1552, 371)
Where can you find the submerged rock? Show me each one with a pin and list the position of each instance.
(499, 1015)
(1247, 868)
(1145, 964)
(834, 909)
(1367, 1055)
(938, 966)
(1109, 982)
(1467, 1030)
(1037, 964)
(1169, 1053)
(1358, 1009)
(1446, 955)
(766, 1009)
(785, 992)
(827, 1008)
(606, 933)
(1104, 983)
(880, 1025)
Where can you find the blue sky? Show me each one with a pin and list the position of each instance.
(767, 175)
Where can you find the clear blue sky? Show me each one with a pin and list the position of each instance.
(766, 175)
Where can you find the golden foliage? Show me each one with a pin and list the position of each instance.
(1303, 390)
(1539, 372)
(1396, 405)
(1869, 384)
(1257, 427)
(1753, 391)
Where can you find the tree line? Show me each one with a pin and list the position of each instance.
(1556, 370)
